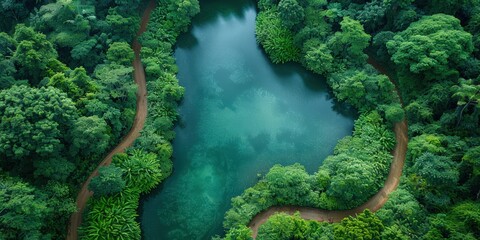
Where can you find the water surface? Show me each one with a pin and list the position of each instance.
(240, 116)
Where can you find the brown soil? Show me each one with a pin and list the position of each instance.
(373, 204)
(134, 133)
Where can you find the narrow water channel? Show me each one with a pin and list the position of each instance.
(241, 115)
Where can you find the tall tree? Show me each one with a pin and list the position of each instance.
(349, 43)
(290, 12)
(35, 127)
(90, 137)
(34, 54)
(468, 94)
(434, 179)
(23, 211)
(432, 47)
(109, 181)
(364, 226)
(120, 53)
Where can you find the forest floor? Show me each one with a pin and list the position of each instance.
(133, 134)
(373, 204)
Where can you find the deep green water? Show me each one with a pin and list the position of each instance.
(240, 116)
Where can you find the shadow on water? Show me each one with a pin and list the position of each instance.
(230, 90)
(212, 9)
(260, 141)
(188, 41)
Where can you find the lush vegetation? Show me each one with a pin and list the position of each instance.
(345, 180)
(67, 96)
(113, 212)
(65, 99)
(431, 50)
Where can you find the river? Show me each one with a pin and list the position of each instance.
(241, 115)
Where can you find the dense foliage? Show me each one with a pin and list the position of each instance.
(431, 50)
(67, 95)
(345, 180)
(282, 226)
(148, 162)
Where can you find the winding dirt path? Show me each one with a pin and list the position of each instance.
(134, 133)
(373, 204)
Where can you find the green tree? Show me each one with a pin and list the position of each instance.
(128, 5)
(84, 83)
(65, 84)
(62, 204)
(7, 70)
(467, 217)
(424, 143)
(394, 113)
(90, 52)
(7, 44)
(34, 128)
(290, 12)
(468, 94)
(462, 222)
(14, 12)
(177, 15)
(350, 42)
(239, 233)
(372, 15)
(62, 23)
(471, 170)
(284, 226)
(319, 59)
(120, 53)
(109, 181)
(432, 47)
(280, 226)
(364, 226)
(353, 181)
(403, 210)
(444, 6)
(434, 179)
(34, 54)
(108, 112)
(123, 28)
(289, 184)
(115, 83)
(53, 168)
(267, 4)
(366, 90)
(170, 90)
(90, 137)
(23, 211)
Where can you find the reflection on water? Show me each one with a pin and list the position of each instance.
(240, 116)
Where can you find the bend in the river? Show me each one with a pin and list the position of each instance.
(133, 134)
(373, 204)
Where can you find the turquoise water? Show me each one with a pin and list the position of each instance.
(240, 116)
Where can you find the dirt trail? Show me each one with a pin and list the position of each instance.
(374, 203)
(134, 133)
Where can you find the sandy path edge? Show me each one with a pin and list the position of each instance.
(140, 116)
(373, 204)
